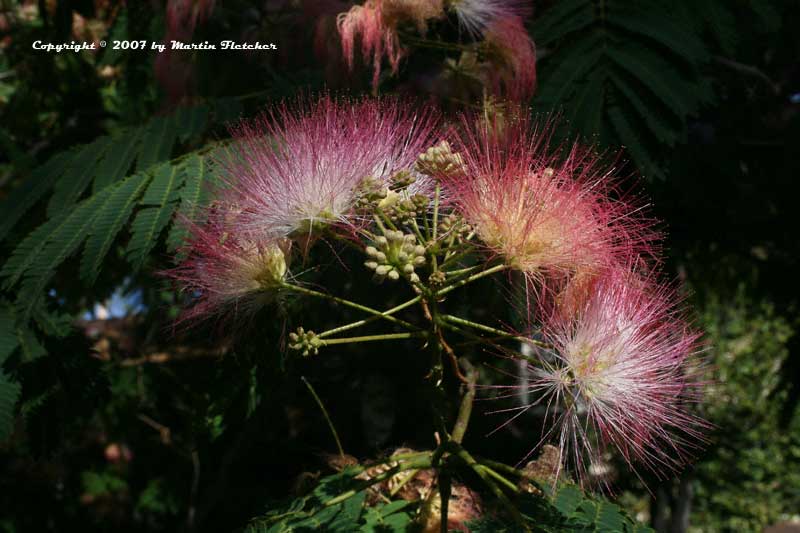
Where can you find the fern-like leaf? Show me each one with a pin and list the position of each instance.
(628, 138)
(663, 131)
(191, 195)
(53, 324)
(118, 159)
(647, 25)
(191, 121)
(549, 27)
(662, 80)
(28, 250)
(576, 62)
(640, 58)
(61, 240)
(160, 201)
(8, 332)
(111, 217)
(9, 394)
(29, 344)
(79, 173)
(588, 103)
(34, 188)
(159, 138)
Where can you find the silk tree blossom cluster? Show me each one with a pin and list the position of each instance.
(617, 368)
(302, 164)
(287, 176)
(232, 273)
(554, 217)
(496, 26)
(619, 374)
(436, 208)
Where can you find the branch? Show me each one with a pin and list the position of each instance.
(749, 70)
(465, 410)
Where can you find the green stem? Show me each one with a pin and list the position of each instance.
(403, 483)
(417, 231)
(348, 303)
(325, 414)
(474, 277)
(377, 220)
(436, 195)
(413, 464)
(386, 220)
(371, 338)
(436, 45)
(498, 466)
(365, 321)
(488, 329)
(477, 339)
(445, 489)
(508, 484)
(461, 271)
(457, 252)
(470, 461)
(465, 409)
(435, 229)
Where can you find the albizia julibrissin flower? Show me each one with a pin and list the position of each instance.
(510, 47)
(375, 24)
(301, 165)
(228, 273)
(548, 216)
(620, 374)
(475, 16)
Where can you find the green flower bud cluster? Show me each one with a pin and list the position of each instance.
(402, 210)
(439, 159)
(402, 180)
(305, 341)
(453, 223)
(437, 279)
(395, 254)
(370, 192)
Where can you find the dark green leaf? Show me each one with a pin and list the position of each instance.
(9, 394)
(118, 159)
(112, 214)
(80, 171)
(158, 139)
(34, 187)
(150, 221)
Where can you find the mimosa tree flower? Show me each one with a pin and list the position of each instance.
(552, 218)
(509, 46)
(300, 166)
(375, 24)
(475, 16)
(620, 374)
(228, 273)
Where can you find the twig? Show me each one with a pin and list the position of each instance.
(748, 70)
(325, 414)
(164, 432)
(465, 409)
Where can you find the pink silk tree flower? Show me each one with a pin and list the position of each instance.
(475, 16)
(300, 166)
(375, 24)
(552, 218)
(510, 49)
(620, 375)
(230, 274)
(377, 38)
